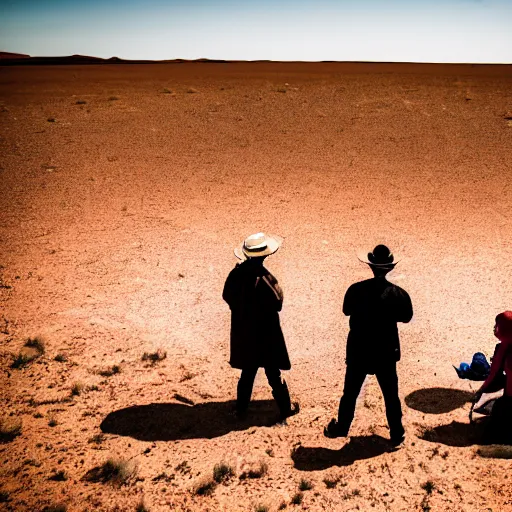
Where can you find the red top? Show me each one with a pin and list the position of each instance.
(502, 360)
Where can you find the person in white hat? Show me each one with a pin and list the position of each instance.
(255, 299)
(373, 346)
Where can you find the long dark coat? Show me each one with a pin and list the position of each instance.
(375, 306)
(255, 299)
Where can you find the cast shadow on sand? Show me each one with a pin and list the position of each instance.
(359, 448)
(172, 421)
(455, 434)
(438, 400)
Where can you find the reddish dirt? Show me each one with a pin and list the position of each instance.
(120, 208)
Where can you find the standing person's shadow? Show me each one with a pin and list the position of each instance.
(172, 421)
(359, 448)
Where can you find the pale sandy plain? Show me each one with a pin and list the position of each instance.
(121, 204)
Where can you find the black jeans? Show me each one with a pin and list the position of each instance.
(388, 382)
(279, 388)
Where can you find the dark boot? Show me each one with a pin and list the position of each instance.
(282, 397)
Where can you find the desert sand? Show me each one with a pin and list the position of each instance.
(123, 191)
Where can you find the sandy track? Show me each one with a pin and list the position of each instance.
(118, 222)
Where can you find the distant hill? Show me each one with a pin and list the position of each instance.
(8, 55)
(11, 59)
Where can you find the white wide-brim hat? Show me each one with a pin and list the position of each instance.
(257, 245)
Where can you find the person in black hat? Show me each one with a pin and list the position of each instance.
(373, 346)
(255, 299)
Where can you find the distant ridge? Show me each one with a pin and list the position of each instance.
(13, 59)
(20, 59)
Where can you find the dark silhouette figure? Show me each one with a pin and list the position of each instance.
(373, 346)
(255, 299)
(499, 427)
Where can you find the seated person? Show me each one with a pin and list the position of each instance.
(499, 428)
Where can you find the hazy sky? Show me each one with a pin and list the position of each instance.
(371, 30)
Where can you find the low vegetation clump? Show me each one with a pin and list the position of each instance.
(154, 357)
(4, 496)
(59, 476)
(257, 472)
(116, 471)
(222, 472)
(32, 349)
(52, 422)
(331, 482)
(113, 370)
(141, 506)
(9, 430)
(261, 508)
(205, 487)
(61, 358)
(305, 485)
(77, 389)
(297, 498)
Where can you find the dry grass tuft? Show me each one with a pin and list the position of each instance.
(77, 389)
(97, 438)
(205, 487)
(331, 482)
(222, 472)
(9, 430)
(258, 472)
(154, 357)
(297, 498)
(305, 485)
(115, 471)
(141, 506)
(114, 370)
(52, 422)
(32, 349)
(428, 486)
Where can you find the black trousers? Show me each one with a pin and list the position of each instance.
(279, 389)
(388, 382)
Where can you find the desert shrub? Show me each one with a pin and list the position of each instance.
(77, 389)
(32, 349)
(116, 471)
(59, 476)
(9, 430)
(154, 357)
(297, 498)
(205, 487)
(141, 506)
(258, 472)
(183, 467)
(305, 485)
(222, 472)
(113, 370)
(22, 359)
(61, 358)
(52, 422)
(331, 482)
